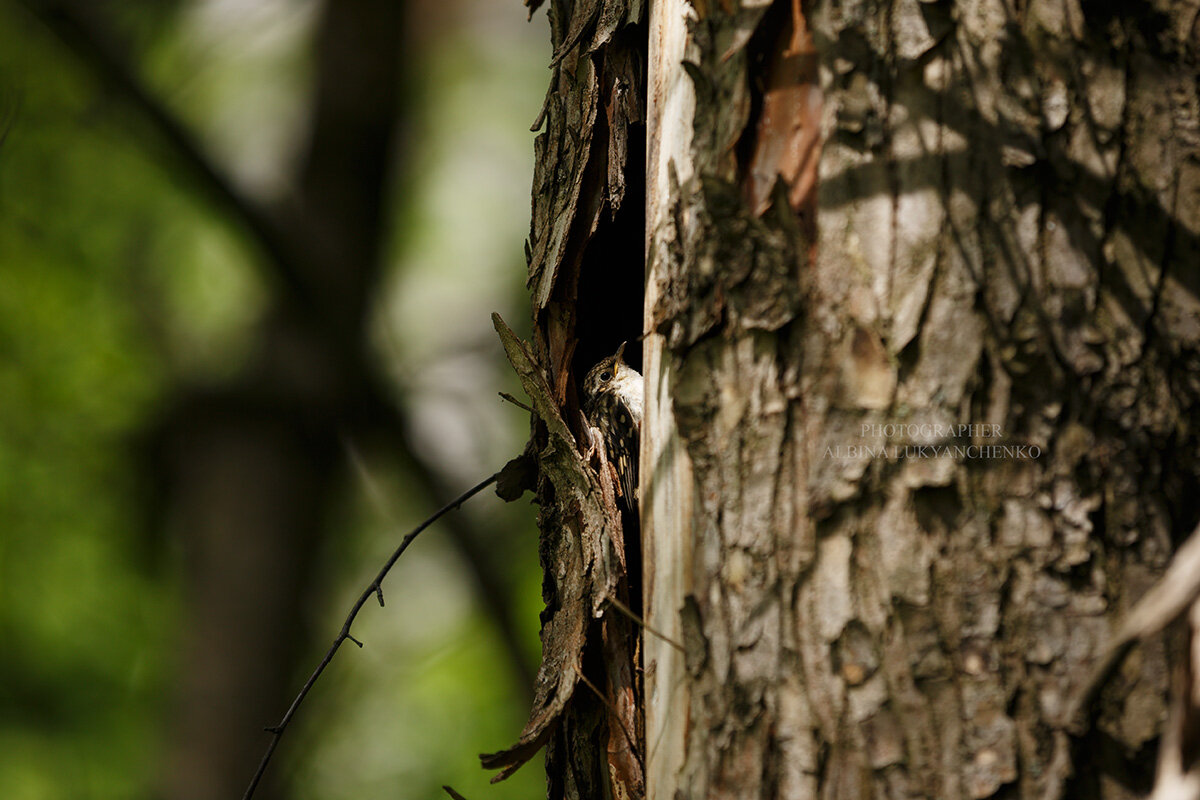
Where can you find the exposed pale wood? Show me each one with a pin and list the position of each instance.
(666, 484)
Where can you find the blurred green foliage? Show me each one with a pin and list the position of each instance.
(120, 283)
(85, 607)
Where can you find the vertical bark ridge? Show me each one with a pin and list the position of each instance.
(585, 277)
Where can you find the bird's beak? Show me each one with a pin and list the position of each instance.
(620, 350)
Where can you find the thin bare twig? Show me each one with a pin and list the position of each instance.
(516, 402)
(466, 537)
(373, 589)
(627, 611)
(612, 709)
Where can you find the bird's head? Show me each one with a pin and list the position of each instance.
(607, 374)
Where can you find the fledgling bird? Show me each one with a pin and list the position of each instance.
(612, 395)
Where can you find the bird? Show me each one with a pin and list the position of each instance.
(613, 399)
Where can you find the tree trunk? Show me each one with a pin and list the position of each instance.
(921, 352)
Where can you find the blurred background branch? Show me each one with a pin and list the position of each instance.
(153, 381)
(80, 28)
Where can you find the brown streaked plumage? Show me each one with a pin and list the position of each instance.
(613, 394)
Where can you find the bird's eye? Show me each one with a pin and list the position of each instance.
(606, 376)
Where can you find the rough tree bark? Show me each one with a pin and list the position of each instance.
(586, 241)
(870, 225)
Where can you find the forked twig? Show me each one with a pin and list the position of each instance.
(374, 589)
(1162, 604)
